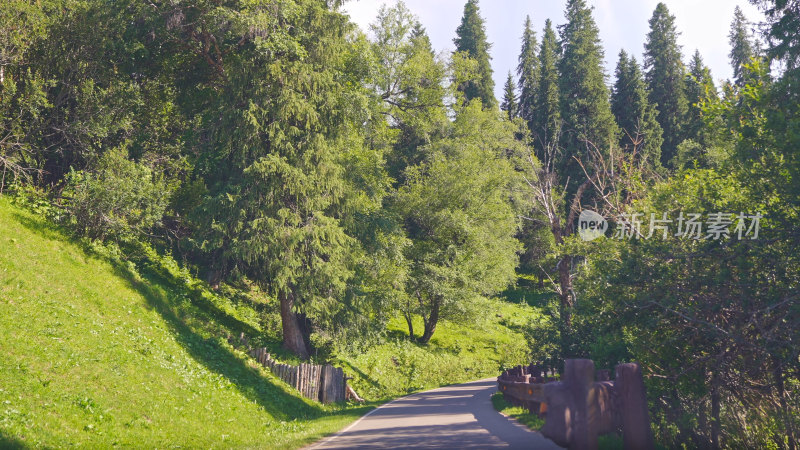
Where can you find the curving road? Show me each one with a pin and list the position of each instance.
(459, 416)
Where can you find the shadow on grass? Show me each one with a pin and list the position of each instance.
(218, 358)
(360, 373)
(10, 443)
(49, 230)
(209, 352)
(533, 296)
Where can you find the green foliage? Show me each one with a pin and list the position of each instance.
(700, 89)
(546, 128)
(456, 211)
(409, 84)
(119, 199)
(585, 110)
(528, 73)
(457, 353)
(471, 40)
(509, 104)
(743, 49)
(665, 79)
(636, 117)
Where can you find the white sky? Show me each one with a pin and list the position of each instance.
(703, 25)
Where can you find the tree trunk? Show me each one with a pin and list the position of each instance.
(787, 418)
(410, 323)
(292, 333)
(565, 296)
(430, 323)
(715, 407)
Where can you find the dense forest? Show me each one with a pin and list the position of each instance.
(272, 145)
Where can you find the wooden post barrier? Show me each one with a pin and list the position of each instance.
(326, 384)
(578, 409)
(635, 418)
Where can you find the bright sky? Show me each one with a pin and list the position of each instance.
(703, 24)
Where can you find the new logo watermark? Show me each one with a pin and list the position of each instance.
(591, 225)
(716, 225)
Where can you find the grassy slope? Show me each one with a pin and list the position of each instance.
(97, 353)
(456, 353)
(92, 355)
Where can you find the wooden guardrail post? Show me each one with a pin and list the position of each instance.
(578, 409)
(568, 407)
(636, 432)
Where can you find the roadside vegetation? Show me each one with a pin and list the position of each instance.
(195, 170)
(123, 353)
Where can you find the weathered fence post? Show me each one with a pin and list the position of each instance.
(579, 376)
(636, 432)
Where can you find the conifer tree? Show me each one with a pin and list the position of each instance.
(635, 115)
(509, 104)
(275, 175)
(526, 71)
(699, 88)
(547, 114)
(471, 39)
(742, 47)
(585, 108)
(665, 79)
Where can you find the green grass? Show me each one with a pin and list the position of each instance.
(456, 353)
(96, 355)
(519, 413)
(103, 347)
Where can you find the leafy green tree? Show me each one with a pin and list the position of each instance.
(456, 211)
(22, 89)
(636, 117)
(509, 104)
(717, 316)
(120, 199)
(408, 81)
(588, 123)
(471, 39)
(527, 73)
(665, 79)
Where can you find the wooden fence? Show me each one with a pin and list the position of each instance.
(325, 384)
(577, 408)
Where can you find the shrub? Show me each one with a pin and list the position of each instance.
(119, 199)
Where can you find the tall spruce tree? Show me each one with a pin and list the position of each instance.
(509, 104)
(526, 71)
(742, 47)
(636, 117)
(699, 136)
(699, 88)
(274, 169)
(471, 39)
(547, 113)
(585, 107)
(665, 79)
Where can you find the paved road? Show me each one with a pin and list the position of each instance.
(459, 416)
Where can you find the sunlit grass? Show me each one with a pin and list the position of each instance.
(95, 355)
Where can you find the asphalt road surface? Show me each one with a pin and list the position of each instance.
(456, 417)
